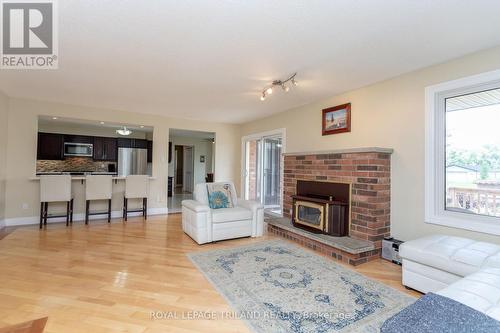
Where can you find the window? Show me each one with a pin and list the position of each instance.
(262, 169)
(463, 153)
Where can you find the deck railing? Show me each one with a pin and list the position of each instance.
(475, 200)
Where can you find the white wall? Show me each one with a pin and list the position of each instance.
(22, 194)
(387, 114)
(201, 147)
(3, 152)
(84, 129)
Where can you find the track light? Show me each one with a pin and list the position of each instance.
(280, 83)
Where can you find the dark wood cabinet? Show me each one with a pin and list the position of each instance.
(132, 143)
(139, 143)
(50, 146)
(78, 138)
(105, 149)
(124, 143)
(150, 151)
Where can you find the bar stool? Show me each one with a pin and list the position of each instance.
(55, 189)
(98, 188)
(136, 187)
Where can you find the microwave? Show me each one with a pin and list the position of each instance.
(78, 149)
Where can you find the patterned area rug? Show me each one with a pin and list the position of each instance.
(276, 286)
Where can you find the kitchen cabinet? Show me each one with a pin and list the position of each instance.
(139, 143)
(132, 143)
(105, 149)
(50, 146)
(78, 138)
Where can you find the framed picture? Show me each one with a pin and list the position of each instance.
(337, 119)
(202, 158)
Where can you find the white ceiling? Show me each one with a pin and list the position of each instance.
(209, 60)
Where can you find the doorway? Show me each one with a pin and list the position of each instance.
(262, 169)
(192, 160)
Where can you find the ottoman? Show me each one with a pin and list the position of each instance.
(432, 263)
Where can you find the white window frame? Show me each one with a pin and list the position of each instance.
(255, 136)
(435, 172)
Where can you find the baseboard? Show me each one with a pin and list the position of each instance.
(2, 224)
(18, 221)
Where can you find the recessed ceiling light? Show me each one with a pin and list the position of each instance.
(142, 126)
(54, 118)
(102, 122)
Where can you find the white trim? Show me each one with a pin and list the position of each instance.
(29, 220)
(2, 224)
(435, 212)
(276, 132)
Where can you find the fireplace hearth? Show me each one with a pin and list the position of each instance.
(322, 207)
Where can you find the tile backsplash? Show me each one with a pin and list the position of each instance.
(72, 164)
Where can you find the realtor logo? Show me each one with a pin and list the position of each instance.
(29, 34)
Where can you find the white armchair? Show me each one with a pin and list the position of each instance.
(206, 225)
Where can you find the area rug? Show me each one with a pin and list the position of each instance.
(275, 286)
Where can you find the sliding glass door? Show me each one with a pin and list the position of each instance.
(263, 171)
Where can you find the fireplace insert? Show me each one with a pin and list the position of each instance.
(322, 207)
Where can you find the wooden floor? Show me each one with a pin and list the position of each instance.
(109, 278)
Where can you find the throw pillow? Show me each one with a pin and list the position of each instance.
(219, 196)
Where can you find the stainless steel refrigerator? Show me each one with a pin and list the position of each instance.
(132, 161)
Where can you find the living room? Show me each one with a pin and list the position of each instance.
(346, 180)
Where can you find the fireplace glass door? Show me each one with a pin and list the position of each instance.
(309, 214)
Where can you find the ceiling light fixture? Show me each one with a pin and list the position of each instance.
(124, 131)
(54, 118)
(280, 83)
(102, 122)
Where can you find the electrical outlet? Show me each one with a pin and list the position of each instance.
(25, 205)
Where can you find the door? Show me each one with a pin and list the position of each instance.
(188, 169)
(271, 173)
(139, 161)
(262, 174)
(178, 166)
(252, 170)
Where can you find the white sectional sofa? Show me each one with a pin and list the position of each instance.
(464, 270)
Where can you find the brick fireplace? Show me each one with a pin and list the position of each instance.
(367, 170)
